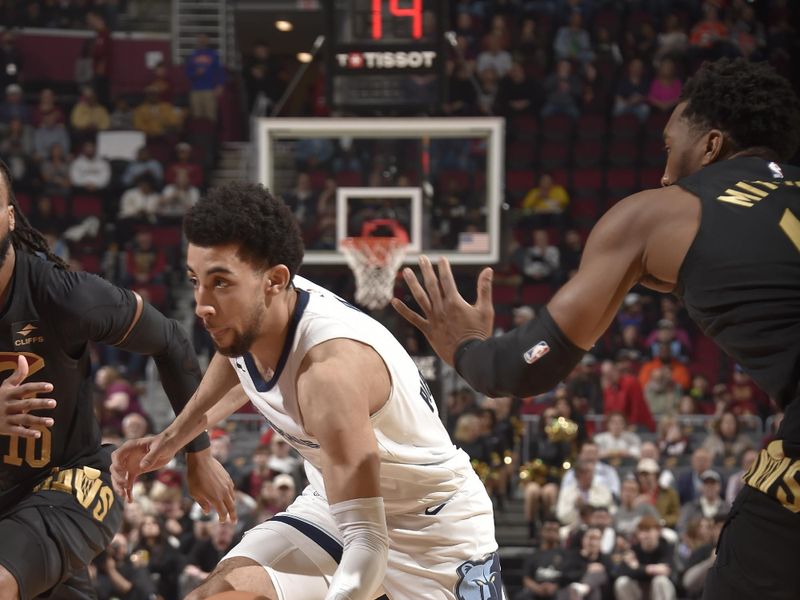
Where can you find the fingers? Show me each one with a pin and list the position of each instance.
(119, 480)
(21, 372)
(448, 283)
(28, 404)
(431, 284)
(21, 431)
(230, 503)
(226, 507)
(151, 458)
(32, 421)
(420, 295)
(409, 315)
(484, 289)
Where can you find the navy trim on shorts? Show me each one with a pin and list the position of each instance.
(323, 539)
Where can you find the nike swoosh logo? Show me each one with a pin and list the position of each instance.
(434, 510)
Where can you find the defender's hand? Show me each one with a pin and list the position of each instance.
(210, 484)
(16, 402)
(138, 456)
(449, 320)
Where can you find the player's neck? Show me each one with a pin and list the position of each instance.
(268, 346)
(7, 274)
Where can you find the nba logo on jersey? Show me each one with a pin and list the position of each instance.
(536, 352)
(776, 170)
(480, 580)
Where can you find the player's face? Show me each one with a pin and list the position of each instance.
(686, 147)
(229, 297)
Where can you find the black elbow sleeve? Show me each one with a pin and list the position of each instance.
(528, 360)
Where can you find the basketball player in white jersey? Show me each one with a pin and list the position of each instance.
(393, 507)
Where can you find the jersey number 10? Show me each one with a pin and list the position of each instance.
(37, 462)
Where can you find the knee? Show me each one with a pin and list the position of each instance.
(622, 585)
(9, 589)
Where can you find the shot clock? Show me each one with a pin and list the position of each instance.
(385, 55)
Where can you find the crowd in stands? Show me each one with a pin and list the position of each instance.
(627, 469)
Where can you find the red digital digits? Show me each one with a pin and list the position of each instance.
(414, 12)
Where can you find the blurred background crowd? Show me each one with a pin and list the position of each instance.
(614, 484)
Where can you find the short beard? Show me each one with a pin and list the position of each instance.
(243, 341)
(5, 244)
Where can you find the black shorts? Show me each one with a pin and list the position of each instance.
(48, 539)
(758, 556)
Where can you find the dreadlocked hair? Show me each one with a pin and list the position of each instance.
(749, 101)
(25, 236)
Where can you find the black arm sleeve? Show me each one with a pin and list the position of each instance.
(167, 343)
(528, 360)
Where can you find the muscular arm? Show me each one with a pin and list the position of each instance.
(613, 261)
(91, 309)
(341, 383)
(220, 386)
(644, 239)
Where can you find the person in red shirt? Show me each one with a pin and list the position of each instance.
(185, 163)
(623, 393)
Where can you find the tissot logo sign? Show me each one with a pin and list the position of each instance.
(386, 60)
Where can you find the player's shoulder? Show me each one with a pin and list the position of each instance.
(634, 218)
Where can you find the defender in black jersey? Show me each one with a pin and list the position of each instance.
(57, 506)
(724, 234)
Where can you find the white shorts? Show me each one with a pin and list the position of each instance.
(445, 552)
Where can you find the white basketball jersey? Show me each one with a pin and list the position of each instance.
(420, 466)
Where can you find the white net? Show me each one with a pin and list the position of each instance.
(374, 262)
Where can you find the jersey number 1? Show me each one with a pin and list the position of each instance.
(791, 227)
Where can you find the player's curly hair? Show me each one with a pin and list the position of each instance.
(749, 101)
(25, 236)
(249, 215)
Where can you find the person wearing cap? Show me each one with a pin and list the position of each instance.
(649, 566)
(14, 106)
(709, 504)
(285, 491)
(631, 312)
(667, 332)
(664, 499)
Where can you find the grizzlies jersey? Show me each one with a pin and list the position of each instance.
(740, 279)
(49, 316)
(420, 466)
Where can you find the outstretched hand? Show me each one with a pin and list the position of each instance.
(448, 319)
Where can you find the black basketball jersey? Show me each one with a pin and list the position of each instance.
(740, 280)
(49, 316)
